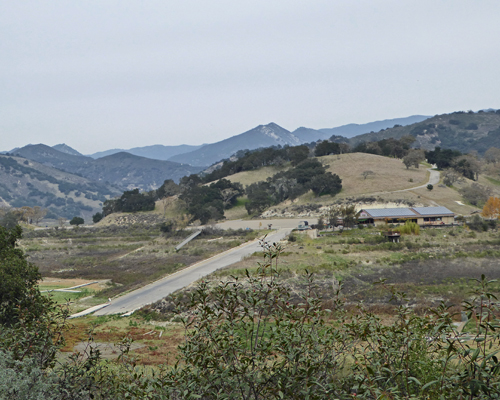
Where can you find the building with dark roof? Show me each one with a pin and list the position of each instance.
(421, 215)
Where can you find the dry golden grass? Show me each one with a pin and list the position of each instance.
(389, 173)
(248, 177)
(239, 212)
(443, 196)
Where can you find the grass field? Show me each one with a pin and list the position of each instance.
(248, 177)
(435, 266)
(389, 173)
(122, 258)
(431, 267)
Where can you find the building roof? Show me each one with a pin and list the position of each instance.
(433, 210)
(413, 212)
(390, 212)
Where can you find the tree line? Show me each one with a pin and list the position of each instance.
(206, 195)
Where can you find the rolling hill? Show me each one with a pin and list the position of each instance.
(274, 135)
(25, 182)
(463, 131)
(124, 170)
(156, 152)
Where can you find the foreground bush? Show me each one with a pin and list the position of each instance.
(256, 338)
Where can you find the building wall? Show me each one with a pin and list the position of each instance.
(448, 220)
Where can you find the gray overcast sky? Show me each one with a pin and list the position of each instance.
(105, 74)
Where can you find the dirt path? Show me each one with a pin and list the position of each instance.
(434, 177)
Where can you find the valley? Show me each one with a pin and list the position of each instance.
(124, 277)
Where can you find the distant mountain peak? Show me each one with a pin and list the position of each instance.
(267, 135)
(64, 148)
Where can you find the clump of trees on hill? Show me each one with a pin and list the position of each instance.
(130, 201)
(247, 160)
(387, 147)
(308, 175)
(208, 202)
(207, 195)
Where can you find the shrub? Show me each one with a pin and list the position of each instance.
(97, 217)
(476, 223)
(409, 228)
(77, 221)
(249, 340)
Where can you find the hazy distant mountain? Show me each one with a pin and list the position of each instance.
(463, 131)
(8, 152)
(307, 135)
(261, 136)
(157, 151)
(130, 171)
(28, 183)
(64, 148)
(54, 158)
(124, 170)
(351, 130)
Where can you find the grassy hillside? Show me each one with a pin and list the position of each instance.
(463, 131)
(248, 177)
(28, 183)
(383, 186)
(388, 173)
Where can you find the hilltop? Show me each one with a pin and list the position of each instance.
(390, 183)
(463, 131)
(260, 136)
(124, 170)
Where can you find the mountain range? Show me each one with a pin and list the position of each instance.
(123, 170)
(156, 152)
(261, 136)
(274, 135)
(26, 182)
(67, 182)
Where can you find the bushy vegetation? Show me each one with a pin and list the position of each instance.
(308, 175)
(256, 338)
(409, 228)
(251, 160)
(130, 201)
(476, 223)
(475, 194)
(443, 158)
(207, 203)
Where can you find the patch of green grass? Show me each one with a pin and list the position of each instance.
(66, 297)
(241, 201)
(494, 181)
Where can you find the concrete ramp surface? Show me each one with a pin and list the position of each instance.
(187, 240)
